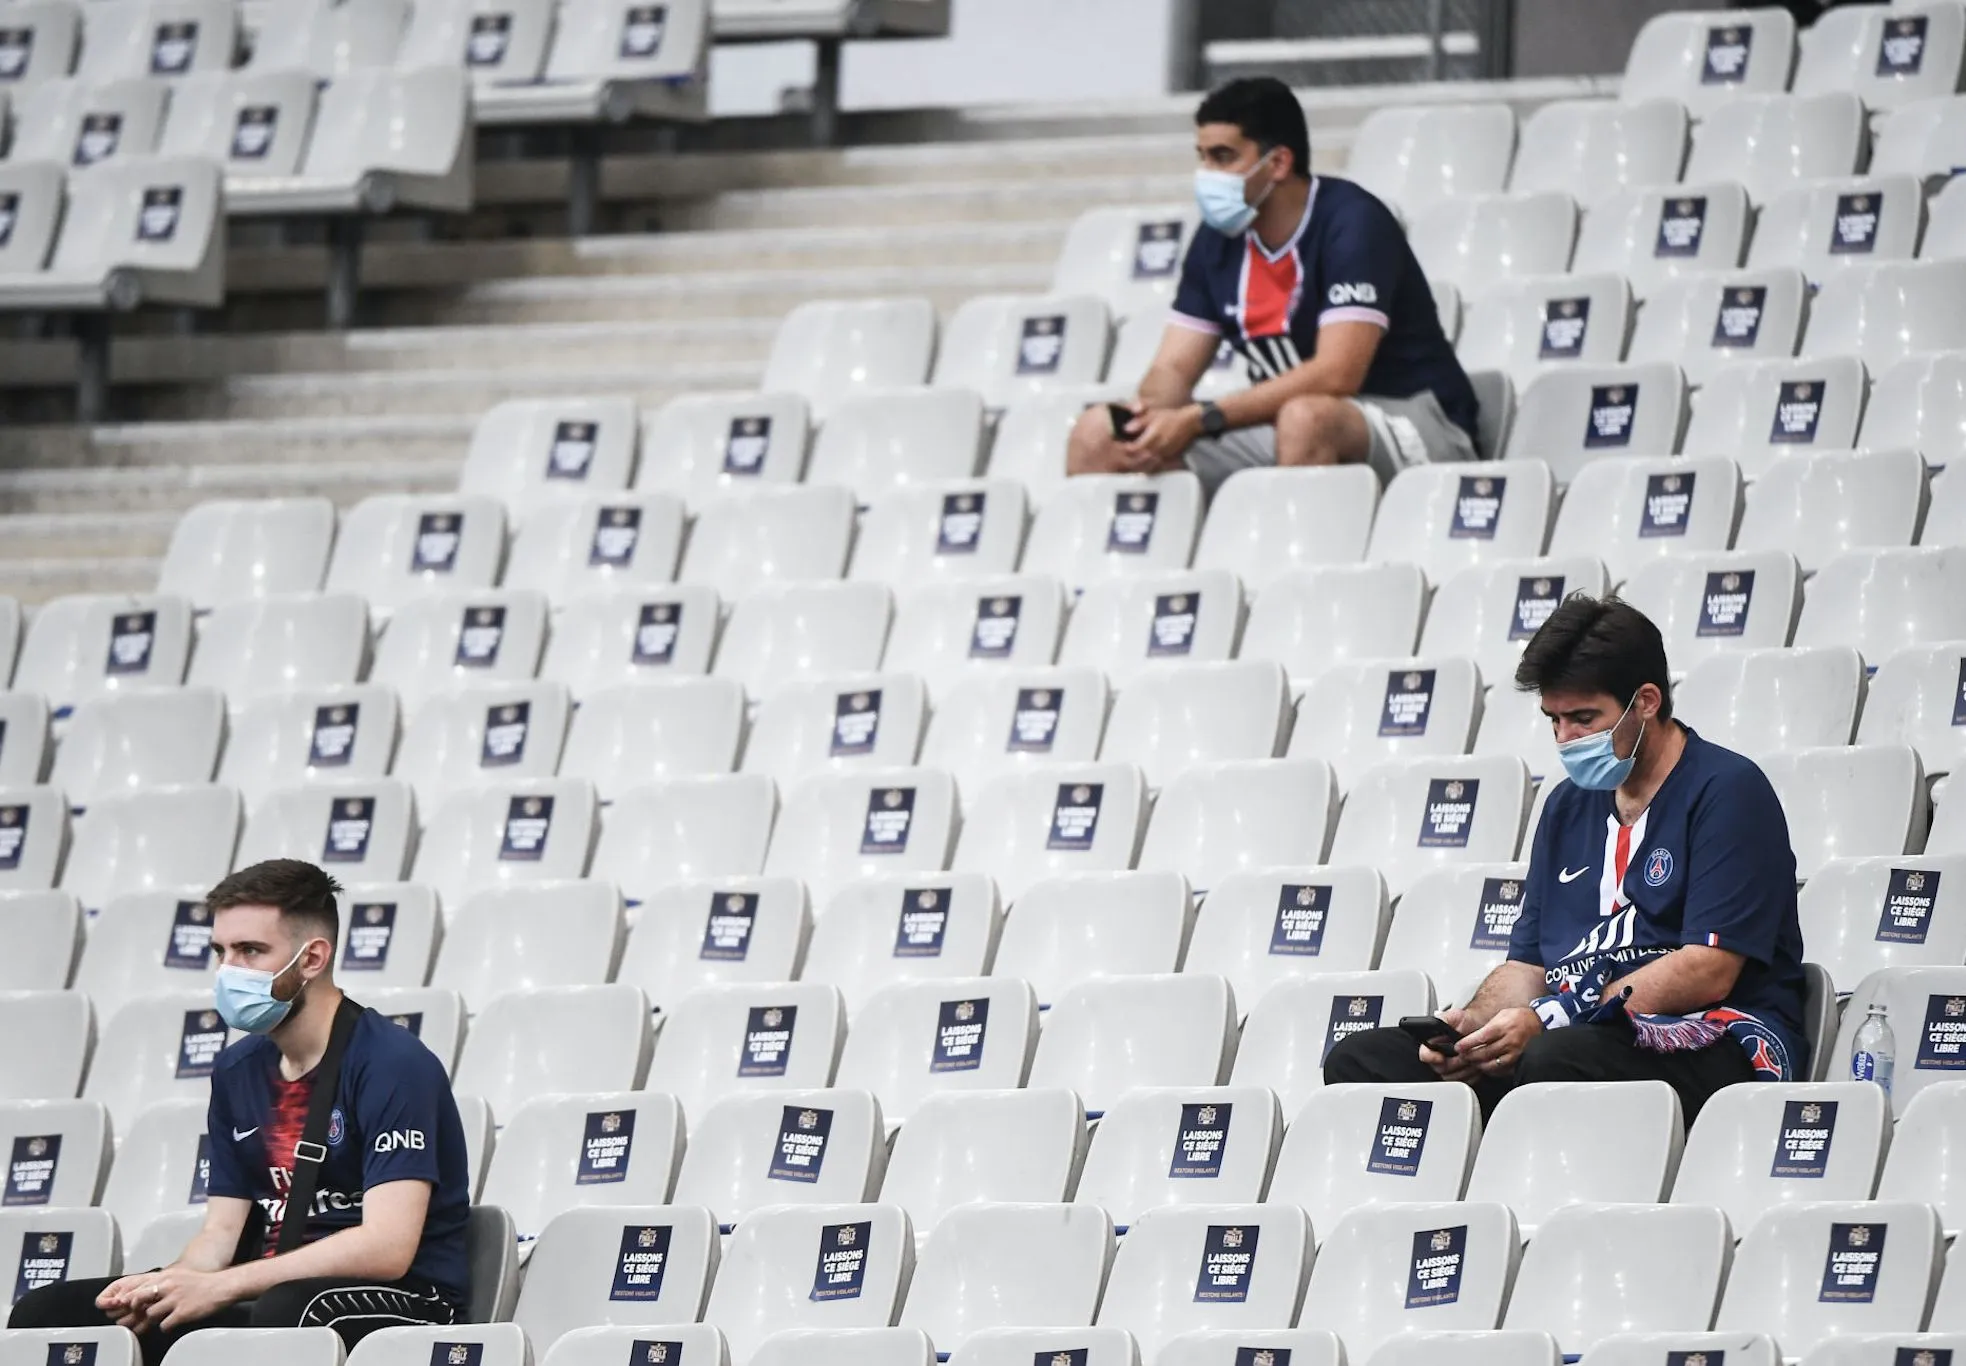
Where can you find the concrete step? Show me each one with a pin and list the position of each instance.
(167, 488)
(85, 535)
(133, 450)
(716, 294)
(34, 582)
(464, 393)
(872, 206)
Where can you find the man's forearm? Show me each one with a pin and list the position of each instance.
(1165, 387)
(209, 1250)
(1679, 982)
(1510, 984)
(362, 1252)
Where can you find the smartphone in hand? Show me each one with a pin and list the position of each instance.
(1430, 1031)
(1120, 415)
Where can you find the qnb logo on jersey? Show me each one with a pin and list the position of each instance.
(400, 1140)
(1343, 296)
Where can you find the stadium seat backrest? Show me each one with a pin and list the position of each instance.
(1477, 241)
(1407, 815)
(505, 833)
(1708, 322)
(146, 944)
(1924, 1161)
(1106, 1037)
(1649, 1349)
(1487, 612)
(161, 1164)
(1034, 429)
(394, 547)
(826, 351)
(1920, 402)
(389, 936)
(64, 1149)
(1219, 1346)
(1536, 1168)
(1826, 226)
(1009, 1266)
(1572, 415)
(1004, 346)
(875, 443)
(171, 39)
(86, 646)
(556, 1039)
(1593, 149)
(553, 934)
(1805, 1272)
(495, 1344)
(1537, 323)
(1076, 927)
(986, 726)
(436, 1016)
(1205, 1266)
(1655, 235)
(1174, 718)
(1292, 1026)
(723, 1039)
(949, 631)
(1264, 523)
(1887, 312)
(599, 1265)
(508, 43)
(1917, 136)
(1454, 924)
(1234, 815)
(612, 39)
(1924, 1005)
(902, 927)
(1719, 600)
(1415, 157)
(264, 648)
(699, 446)
(1706, 59)
(636, 733)
(838, 826)
(916, 1039)
(631, 636)
(1882, 601)
(1760, 413)
(567, 548)
(37, 829)
(1913, 698)
(1129, 255)
(84, 122)
(1022, 1346)
(1062, 818)
(1357, 715)
(1355, 1144)
(1630, 510)
(47, 935)
(846, 1347)
(561, 1152)
(154, 1048)
(1158, 1146)
(1771, 141)
(783, 631)
(1910, 52)
(1762, 701)
(63, 1028)
(452, 640)
(1662, 1268)
(229, 549)
(841, 722)
(1443, 519)
(1755, 1147)
(1861, 915)
(1387, 1269)
(1114, 526)
(1312, 619)
(165, 837)
(1154, 621)
(663, 833)
(254, 123)
(816, 1266)
(985, 1147)
(1267, 925)
(801, 1147)
(739, 929)
(127, 742)
(48, 36)
(312, 734)
(482, 732)
(947, 529)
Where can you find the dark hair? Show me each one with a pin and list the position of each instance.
(303, 893)
(1594, 645)
(1266, 112)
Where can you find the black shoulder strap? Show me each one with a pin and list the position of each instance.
(312, 1150)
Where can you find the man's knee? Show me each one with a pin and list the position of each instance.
(1561, 1055)
(1090, 449)
(1317, 429)
(1372, 1055)
(283, 1306)
(65, 1304)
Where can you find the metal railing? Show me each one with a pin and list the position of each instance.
(1357, 42)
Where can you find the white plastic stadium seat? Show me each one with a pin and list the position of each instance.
(526, 451)
(449, 640)
(669, 832)
(826, 351)
(1265, 523)
(1761, 701)
(268, 647)
(626, 736)
(1917, 403)
(314, 734)
(1454, 924)
(811, 1266)
(799, 1147)
(562, 1152)
(147, 944)
(1824, 504)
(1487, 612)
(913, 1041)
(1594, 148)
(770, 536)
(233, 548)
(572, 547)
(63, 1028)
(608, 57)
(87, 646)
(1418, 156)
(1295, 1024)
(1719, 601)
(1656, 236)
(1887, 312)
(1406, 816)
(947, 632)
(728, 930)
(1849, 801)
(1444, 519)
(630, 636)
(24, 740)
(959, 529)
(254, 123)
(1630, 510)
(1706, 59)
(1924, 1161)
(985, 727)
(1001, 346)
(838, 826)
(1861, 915)
(1912, 699)
(1771, 141)
(1114, 525)
(1925, 1006)
(1083, 927)
(1387, 1269)
(49, 933)
(1649, 1349)
(1705, 322)
(1005, 1266)
(84, 122)
(504, 833)
(839, 723)
(1823, 1269)
(1262, 927)
(1235, 815)
(1537, 1169)
(1358, 715)
(1154, 620)
(874, 443)
(646, 1265)
(772, 1036)
(496, 1344)
(47, 34)
(1573, 415)
(1174, 1146)
(1042, 821)
(129, 742)
(1756, 1147)
(983, 1147)
(389, 934)
(1918, 136)
(1208, 1266)
(1662, 1268)
(846, 1347)
(488, 732)
(557, 1039)
(155, 1048)
(1311, 620)
(1761, 412)
(1889, 58)
(396, 546)
(137, 842)
(34, 838)
(904, 927)
(1104, 1038)
(58, 1151)
(1884, 600)
(1477, 241)
(1830, 225)
(159, 1167)
(1356, 1144)
(1130, 256)
(699, 446)
(520, 939)
(1034, 430)
(1174, 718)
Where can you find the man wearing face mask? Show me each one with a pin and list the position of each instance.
(1311, 279)
(1658, 935)
(382, 1239)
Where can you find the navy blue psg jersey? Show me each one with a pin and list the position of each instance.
(1708, 862)
(1348, 261)
(394, 1119)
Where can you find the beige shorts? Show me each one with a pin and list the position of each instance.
(1405, 432)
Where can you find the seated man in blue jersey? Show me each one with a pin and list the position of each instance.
(383, 1240)
(1658, 935)
(1312, 280)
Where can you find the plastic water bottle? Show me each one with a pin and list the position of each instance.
(1875, 1056)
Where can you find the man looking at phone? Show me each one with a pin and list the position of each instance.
(1658, 936)
(1311, 279)
(381, 1239)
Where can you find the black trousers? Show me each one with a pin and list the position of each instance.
(353, 1309)
(1574, 1053)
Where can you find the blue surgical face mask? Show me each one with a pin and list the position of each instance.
(1221, 197)
(245, 999)
(1591, 761)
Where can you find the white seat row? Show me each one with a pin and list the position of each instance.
(147, 230)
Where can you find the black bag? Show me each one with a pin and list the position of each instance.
(310, 1152)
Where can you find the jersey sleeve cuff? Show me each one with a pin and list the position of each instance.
(1193, 324)
(1711, 939)
(1351, 313)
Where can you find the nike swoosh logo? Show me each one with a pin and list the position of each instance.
(1567, 876)
(241, 1135)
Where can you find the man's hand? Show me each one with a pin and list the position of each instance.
(124, 1300)
(178, 1295)
(1161, 436)
(1493, 1049)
